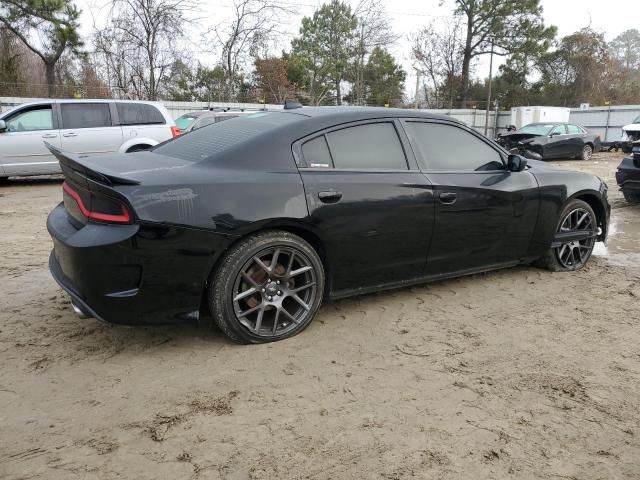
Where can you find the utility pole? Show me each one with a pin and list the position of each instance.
(417, 88)
(486, 118)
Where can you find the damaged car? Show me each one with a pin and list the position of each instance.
(545, 141)
(630, 134)
(628, 176)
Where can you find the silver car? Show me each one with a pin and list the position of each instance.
(79, 126)
(194, 120)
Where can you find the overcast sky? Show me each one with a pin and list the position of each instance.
(406, 16)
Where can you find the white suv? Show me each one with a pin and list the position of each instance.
(78, 126)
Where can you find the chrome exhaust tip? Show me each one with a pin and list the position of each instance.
(79, 312)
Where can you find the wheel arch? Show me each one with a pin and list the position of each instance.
(593, 199)
(137, 141)
(299, 228)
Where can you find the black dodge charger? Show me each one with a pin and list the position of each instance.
(258, 219)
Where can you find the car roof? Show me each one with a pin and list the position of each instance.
(359, 113)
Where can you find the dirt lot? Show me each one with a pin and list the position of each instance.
(516, 374)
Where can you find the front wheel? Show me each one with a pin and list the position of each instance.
(267, 288)
(574, 239)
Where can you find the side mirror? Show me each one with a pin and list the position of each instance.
(3, 126)
(516, 163)
(514, 151)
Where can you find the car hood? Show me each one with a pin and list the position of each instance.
(632, 127)
(539, 166)
(518, 136)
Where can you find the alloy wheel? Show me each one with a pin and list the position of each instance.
(274, 291)
(575, 238)
(587, 152)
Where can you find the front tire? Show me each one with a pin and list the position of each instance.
(267, 288)
(587, 152)
(578, 218)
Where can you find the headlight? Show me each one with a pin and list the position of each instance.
(624, 136)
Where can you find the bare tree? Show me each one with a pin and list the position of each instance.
(252, 26)
(373, 31)
(48, 28)
(141, 42)
(439, 56)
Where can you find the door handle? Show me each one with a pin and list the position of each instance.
(50, 135)
(448, 198)
(70, 134)
(330, 196)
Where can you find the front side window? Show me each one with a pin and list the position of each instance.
(139, 114)
(85, 115)
(443, 147)
(558, 130)
(371, 146)
(36, 118)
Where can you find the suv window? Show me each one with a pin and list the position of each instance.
(34, 118)
(85, 115)
(138, 114)
(574, 130)
(370, 146)
(443, 147)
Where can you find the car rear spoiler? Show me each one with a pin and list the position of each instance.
(76, 163)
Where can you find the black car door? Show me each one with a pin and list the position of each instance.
(575, 140)
(369, 201)
(558, 144)
(485, 214)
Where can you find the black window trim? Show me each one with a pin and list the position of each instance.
(108, 104)
(26, 108)
(499, 150)
(403, 139)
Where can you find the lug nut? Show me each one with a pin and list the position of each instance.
(264, 289)
(269, 298)
(278, 282)
(279, 292)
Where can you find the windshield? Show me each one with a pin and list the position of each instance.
(205, 143)
(536, 129)
(185, 121)
(637, 120)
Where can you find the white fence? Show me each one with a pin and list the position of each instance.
(604, 121)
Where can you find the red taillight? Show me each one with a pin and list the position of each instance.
(97, 207)
(175, 131)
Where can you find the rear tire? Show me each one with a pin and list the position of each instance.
(3, 180)
(266, 288)
(587, 152)
(576, 216)
(631, 197)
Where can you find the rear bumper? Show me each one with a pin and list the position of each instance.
(132, 274)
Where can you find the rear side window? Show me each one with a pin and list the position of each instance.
(316, 153)
(85, 115)
(573, 129)
(139, 114)
(372, 146)
(206, 143)
(443, 147)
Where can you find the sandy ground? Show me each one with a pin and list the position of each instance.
(515, 374)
